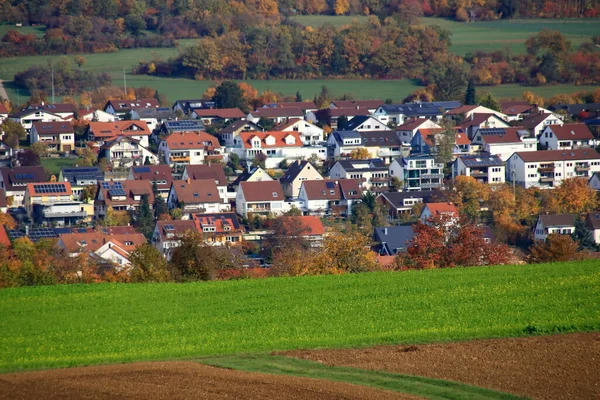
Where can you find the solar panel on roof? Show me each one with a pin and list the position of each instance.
(24, 176)
(141, 169)
(105, 185)
(55, 188)
(330, 185)
(169, 227)
(116, 192)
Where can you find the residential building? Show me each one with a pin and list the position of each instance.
(3, 202)
(365, 123)
(28, 116)
(182, 125)
(439, 209)
(209, 116)
(488, 169)
(342, 143)
(400, 203)
(374, 173)
(96, 116)
(263, 198)
(121, 196)
(296, 173)
(235, 128)
(219, 229)
(15, 180)
(103, 132)
(562, 224)
(594, 181)
(418, 172)
(167, 235)
(536, 123)
(186, 107)
(336, 113)
(51, 203)
(309, 228)
(302, 105)
(80, 178)
(63, 110)
(125, 151)
(6, 154)
(547, 169)
(199, 195)
(59, 136)
(592, 221)
(408, 130)
(392, 240)
(517, 111)
(153, 117)
(212, 171)
(566, 137)
(369, 105)
(3, 112)
(330, 196)
(310, 134)
(278, 115)
(182, 148)
(398, 113)
(504, 142)
(121, 108)
(384, 145)
(466, 112)
(250, 174)
(156, 174)
(480, 121)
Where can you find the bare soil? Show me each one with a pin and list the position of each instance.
(541, 367)
(175, 380)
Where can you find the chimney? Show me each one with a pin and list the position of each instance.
(385, 231)
(26, 230)
(189, 180)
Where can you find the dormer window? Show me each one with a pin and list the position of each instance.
(275, 194)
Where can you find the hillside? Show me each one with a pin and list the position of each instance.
(57, 326)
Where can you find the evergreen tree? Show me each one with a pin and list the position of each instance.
(298, 97)
(470, 95)
(229, 95)
(160, 206)
(583, 235)
(144, 220)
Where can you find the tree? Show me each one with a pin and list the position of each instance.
(555, 248)
(115, 218)
(583, 235)
(445, 142)
(397, 184)
(361, 153)
(28, 158)
(470, 95)
(159, 205)
(88, 157)
(369, 214)
(298, 97)
(344, 252)
(288, 241)
(489, 101)
(229, 95)
(573, 196)
(13, 132)
(533, 98)
(469, 195)
(80, 61)
(342, 122)
(259, 160)
(88, 193)
(551, 68)
(324, 98)
(148, 265)
(341, 7)
(40, 148)
(450, 79)
(143, 218)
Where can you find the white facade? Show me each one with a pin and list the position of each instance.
(27, 120)
(100, 116)
(418, 173)
(371, 124)
(493, 174)
(541, 232)
(549, 139)
(56, 142)
(310, 134)
(406, 135)
(264, 207)
(128, 152)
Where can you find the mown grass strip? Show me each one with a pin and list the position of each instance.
(71, 325)
(425, 387)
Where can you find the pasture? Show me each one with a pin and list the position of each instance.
(68, 325)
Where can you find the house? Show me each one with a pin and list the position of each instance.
(563, 224)
(251, 174)
(278, 114)
(235, 128)
(397, 114)
(121, 196)
(391, 240)
(3, 112)
(153, 117)
(121, 108)
(374, 173)
(125, 151)
(184, 148)
(220, 229)
(427, 142)
(398, 203)
(14, 181)
(155, 174)
(310, 134)
(210, 116)
(439, 209)
(462, 144)
(212, 171)
(276, 146)
(96, 116)
(332, 115)
(330, 196)
(187, 106)
(409, 129)
(52, 203)
(479, 121)
(103, 132)
(80, 178)
(466, 111)
(309, 227)
(28, 116)
(547, 169)
(592, 220)
(199, 195)
(296, 173)
(362, 123)
(262, 197)
(536, 123)
(566, 137)
(594, 181)
(418, 173)
(59, 136)
(516, 112)
(6, 154)
(369, 105)
(504, 142)
(342, 143)
(114, 248)
(182, 125)
(488, 169)
(63, 110)
(167, 235)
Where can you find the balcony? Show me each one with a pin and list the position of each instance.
(65, 214)
(582, 168)
(180, 159)
(386, 179)
(432, 176)
(479, 174)
(547, 179)
(432, 185)
(546, 168)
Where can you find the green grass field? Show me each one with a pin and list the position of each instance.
(39, 30)
(59, 326)
(53, 165)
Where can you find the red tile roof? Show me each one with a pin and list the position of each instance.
(197, 191)
(516, 109)
(311, 225)
(126, 105)
(348, 112)
(279, 137)
(442, 208)
(131, 188)
(92, 241)
(462, 139)
(412, 124)
(572, 132)
(110, 130)
(559, 155)
(293, 104)
(224, 223)
(478, 119)
(462, 109)
(4, 240)
(191, 140)
(31, 188)
(3, 109)
(262, 191)
(212, 171)
(53, 128)
(358, 104)
(510, 136)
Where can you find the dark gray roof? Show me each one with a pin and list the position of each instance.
(380, 138)
(186, 125)
(18, 177)
(428, 196)
(292, 172)
(159, 113)
(236, 125)
(447, 105)
(393, 239)
(356, 121)
(557, 219)
(371, 165)
(77, 174)
(412, 109)
(481, 161)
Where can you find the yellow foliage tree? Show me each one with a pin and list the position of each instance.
(344, 252)
(533, 98)
(341, 7)
(209, 93)
(360, 154)
(573, 196)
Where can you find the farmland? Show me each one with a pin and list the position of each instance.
(58, 326)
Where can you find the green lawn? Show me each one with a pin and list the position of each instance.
(53, 165)
(39, 30)
(59, 326)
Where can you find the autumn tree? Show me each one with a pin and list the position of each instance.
(469, 195)
(533, 98)
(80, 61)
(13, 132)
(361, 153)
(344, 252)
(88, 193)
(573, 196)
(115, 218)
(28, 158)
(148, 265)
(555, 248)
(450, 79)
(288, 247)
(369, 214)
(40, 148)
(341, 7)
